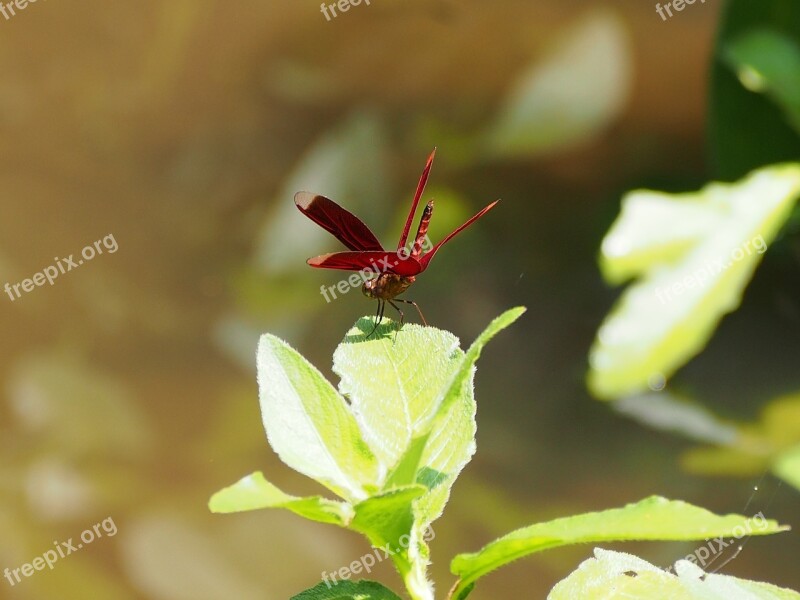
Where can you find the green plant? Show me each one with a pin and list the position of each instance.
(389, 445)
(691, 256)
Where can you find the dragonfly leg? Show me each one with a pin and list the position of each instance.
(378, 317)
(421, 316)
(397, 308)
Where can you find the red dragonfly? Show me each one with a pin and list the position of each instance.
(395, 270)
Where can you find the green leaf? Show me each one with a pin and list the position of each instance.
(413, 396)
(327, 166)
(406, 470)
(569, 96)
(393, 381)
(653, 518)
(671, 412)
(310, 425)
(770, 443)
(748, 130)
(450, 434)
(387, 522)
(722, 461)
(449, 445)
(387, 517)
(693, 254)
(619, 575)
(348, 590)
(787, 467)
(392, 449)
(768, 62)
(254, 492)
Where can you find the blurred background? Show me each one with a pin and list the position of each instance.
(183, 129)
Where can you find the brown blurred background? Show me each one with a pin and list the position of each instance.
(183, 128)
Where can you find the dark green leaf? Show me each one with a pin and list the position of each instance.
(747, 129)
(653, 518)
(347, 590)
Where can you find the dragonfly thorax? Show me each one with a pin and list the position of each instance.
(386, 286)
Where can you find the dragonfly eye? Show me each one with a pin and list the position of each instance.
(368, 288)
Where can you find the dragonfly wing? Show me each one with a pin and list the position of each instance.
(429, 255)
(376, 261)
(417, 195)
(341, 223)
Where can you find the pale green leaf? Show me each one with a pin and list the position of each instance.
(348, 164)
(667, 411)
(569, 96)
(694, 254)
(254, 492)
(449, 443)
(780, 421)
(451, 432)
(347, 590)
(310, 425)
(771, 442)
(619, 575)
(653, 518)
(393, 382)
(412, 393)
(724, 461)
(787, 467)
